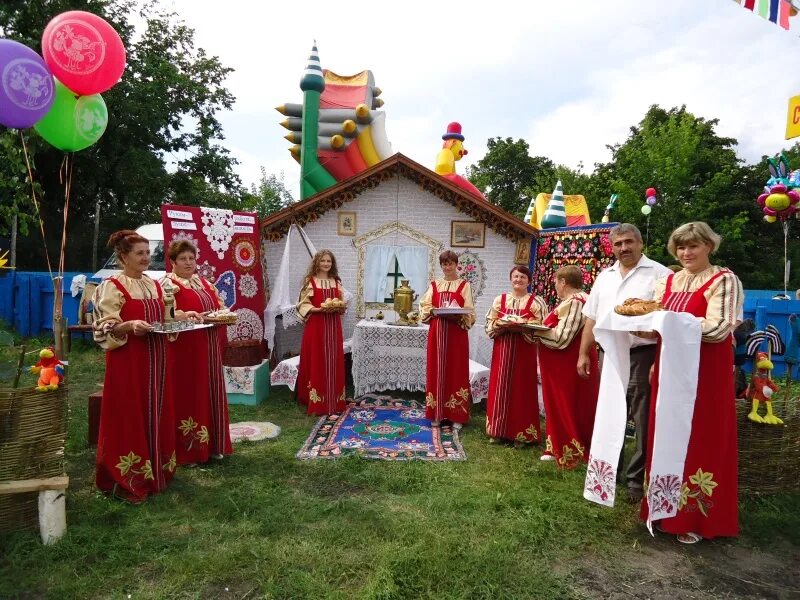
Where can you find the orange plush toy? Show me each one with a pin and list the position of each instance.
(761, 390)
(50, 370)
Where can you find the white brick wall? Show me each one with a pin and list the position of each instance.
(400, 200)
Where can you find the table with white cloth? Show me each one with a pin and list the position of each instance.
(395, 357)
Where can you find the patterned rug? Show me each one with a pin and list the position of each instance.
(384, 428)
(253, 432)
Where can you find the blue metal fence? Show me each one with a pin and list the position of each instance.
(759, 306)
(27, 298)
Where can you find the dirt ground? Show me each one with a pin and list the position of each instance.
(662, 568)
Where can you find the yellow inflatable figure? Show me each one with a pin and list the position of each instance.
(453, 150)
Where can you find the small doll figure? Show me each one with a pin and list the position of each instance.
(50, 370)
(761, 390)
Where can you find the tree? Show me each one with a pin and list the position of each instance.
(269, 196)
(699, 178)
(163, 139)
(508, 173)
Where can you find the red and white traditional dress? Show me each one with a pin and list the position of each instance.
(195, 367)
(320, 375)
(447, 389)
(570, 401)
(136, 443)
(709, 496)
(512, 408)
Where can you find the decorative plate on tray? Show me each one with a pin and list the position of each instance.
(451, 311)
(159, 328)
(524, 324)
(535, 326)
(220, 320)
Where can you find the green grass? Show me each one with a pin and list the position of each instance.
(263, 524)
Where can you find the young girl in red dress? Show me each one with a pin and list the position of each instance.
(570, 401)
(195, 365)
(512, 409)
(709, 503)
(136, 443)
(320, 377)
(447, 389)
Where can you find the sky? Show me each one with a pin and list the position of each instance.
(568, 77)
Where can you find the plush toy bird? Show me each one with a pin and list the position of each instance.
(761, 390)
(50, 370)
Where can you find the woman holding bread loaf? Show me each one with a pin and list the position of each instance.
(708, 505)
(320, 377)
(512, 408)
(201, 404)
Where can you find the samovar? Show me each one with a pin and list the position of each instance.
(403, 297)
(169, 310)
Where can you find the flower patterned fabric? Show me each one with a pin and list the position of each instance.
(587, 247)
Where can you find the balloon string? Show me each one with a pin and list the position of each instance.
(785, 245)
(65, 176)
(36, 202)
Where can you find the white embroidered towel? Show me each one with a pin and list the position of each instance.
(680, 356)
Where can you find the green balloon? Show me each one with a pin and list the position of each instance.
(647, 209)
(73, 122)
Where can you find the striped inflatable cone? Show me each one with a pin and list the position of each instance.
(555, 215)
(313, 79)
(529, 215)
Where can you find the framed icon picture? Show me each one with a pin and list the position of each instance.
(522, 254)
(467, 234)
(346, 223)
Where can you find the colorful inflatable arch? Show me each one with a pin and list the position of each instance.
(337, 132)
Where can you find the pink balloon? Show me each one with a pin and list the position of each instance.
(83, 51)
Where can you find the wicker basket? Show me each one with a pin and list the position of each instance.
(243, 353)
(769, 455)
(33, 430)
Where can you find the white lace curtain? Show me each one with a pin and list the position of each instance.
(297, 254)
(413, 263)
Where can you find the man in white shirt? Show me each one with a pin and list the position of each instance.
(632, 276)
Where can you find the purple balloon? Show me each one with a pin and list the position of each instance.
(651, 201)
(27, 90)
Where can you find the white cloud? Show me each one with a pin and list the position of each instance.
(568, 77)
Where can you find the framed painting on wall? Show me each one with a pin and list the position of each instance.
(467, 234)
(346, 223)
(522, 254)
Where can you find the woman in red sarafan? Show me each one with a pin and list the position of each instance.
(512, 409)
(195, 365)
(447, 389)
(136, 443)
(570, 401)
(708, 505)
(320, 376)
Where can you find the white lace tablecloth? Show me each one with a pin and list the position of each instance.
(395, 357)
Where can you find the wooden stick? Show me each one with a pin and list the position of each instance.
(19, 367)
(34, 485)
(788, 384)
